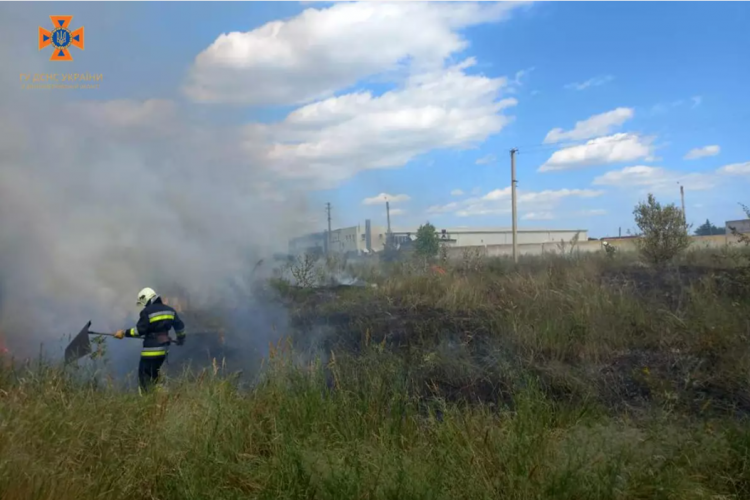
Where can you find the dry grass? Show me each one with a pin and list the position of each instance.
(558, 379)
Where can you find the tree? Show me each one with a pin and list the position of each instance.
(664, 234)
(709, 229)
(427, 243)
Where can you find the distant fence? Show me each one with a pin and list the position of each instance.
(622, 245)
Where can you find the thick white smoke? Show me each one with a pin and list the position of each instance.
(101, 198)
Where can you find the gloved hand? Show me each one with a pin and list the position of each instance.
(181, 340)
(119, 334)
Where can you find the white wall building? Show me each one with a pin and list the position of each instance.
(468, 236)
(742, 226)
(345, 240)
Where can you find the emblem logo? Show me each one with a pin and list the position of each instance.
(61, 38)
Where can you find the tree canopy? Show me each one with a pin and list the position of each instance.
(708, 229)
(427, 243)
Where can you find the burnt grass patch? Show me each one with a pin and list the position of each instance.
(628, 339)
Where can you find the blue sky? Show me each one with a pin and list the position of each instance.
(646, 82)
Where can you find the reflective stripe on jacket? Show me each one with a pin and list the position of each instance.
(156, 319)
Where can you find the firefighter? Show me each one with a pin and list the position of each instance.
(155, 321)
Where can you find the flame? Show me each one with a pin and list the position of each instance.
(175, 302)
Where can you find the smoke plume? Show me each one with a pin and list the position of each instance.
(99, 198)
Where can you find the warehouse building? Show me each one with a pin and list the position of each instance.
(741, 226)
(353, 240)
(358, 240)
(468, 236)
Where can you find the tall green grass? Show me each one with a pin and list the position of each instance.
(348, 430)
(489, 381)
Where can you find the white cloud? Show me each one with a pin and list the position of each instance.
(736, 169)
(320, 51)
(325, 50)
(457, 192)
(397, 211)
(519, 80)
(592, 82)
(329, 141)
(696, 153)
(663, 107)
(610, 149)
(383, 197)
(498, 201)
(486, 160)
(656, 179)
(538, 216)
(594, 126)
(443, 209)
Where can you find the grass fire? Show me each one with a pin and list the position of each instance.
(562, 377)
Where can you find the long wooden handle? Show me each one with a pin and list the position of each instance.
(171, 341)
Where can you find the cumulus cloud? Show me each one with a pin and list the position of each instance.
(329, 141)
(383, 197)
(321, 51)
(397, 211)
(594, 126)
(457, 192)
(498, 201)
(610, 149)
(592, 82)
(736, 169)
(656, 179)
(703, 152)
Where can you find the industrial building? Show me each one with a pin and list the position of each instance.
(358, 240)
(741, 226)
(468, 237)
(353, 240)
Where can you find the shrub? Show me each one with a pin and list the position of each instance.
(664, 231)
(427, 244)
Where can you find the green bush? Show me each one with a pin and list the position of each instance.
(664, 233)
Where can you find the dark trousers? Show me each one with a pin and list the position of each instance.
(148, 371)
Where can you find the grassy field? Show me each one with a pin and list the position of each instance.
(586, 378)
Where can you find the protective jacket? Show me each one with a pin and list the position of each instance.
(154, 323)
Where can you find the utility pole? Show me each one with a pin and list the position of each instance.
(328, 236)
(388, 237)
(513, 202)
(682, 198)
(388, 216)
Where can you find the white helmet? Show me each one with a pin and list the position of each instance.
(146, 295)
